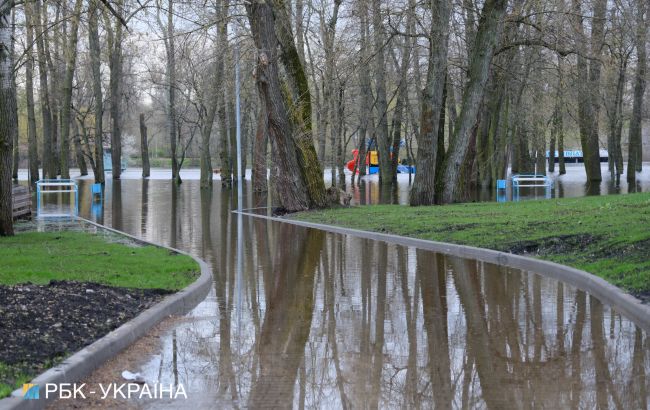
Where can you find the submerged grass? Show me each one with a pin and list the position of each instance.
(608, 236)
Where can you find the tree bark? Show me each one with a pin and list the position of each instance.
(70, 54)
(144, 148)
(588, 86)
(78, 151)
(171, 84)
(115, 40)
(382, 136)
(260, 183)
(634, 141)
(292, 188)
(366, 120)
(29, 96)
(95, 62)
(487, 36)
(215, 89)
(299, 104)
(43, 94)
(8, 120)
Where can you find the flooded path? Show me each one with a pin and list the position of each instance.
(311, 319)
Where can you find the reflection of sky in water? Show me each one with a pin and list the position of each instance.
(322, 320)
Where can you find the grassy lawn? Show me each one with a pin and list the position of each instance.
(608, 236)
(77, 256)
(39, 257)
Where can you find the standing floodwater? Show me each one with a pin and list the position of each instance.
(310, 319)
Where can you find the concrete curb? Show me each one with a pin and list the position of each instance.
(85, 361)
(622, 302)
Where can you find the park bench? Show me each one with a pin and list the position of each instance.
(521, 181)
(22, 201)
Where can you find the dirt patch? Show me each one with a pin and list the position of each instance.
(41, 324)
(637, 251)
(553, 245)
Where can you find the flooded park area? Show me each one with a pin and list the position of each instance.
(303, 318)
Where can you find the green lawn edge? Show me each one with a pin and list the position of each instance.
(39, 257)
(608, 236)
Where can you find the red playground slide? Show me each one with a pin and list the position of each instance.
(351, 163)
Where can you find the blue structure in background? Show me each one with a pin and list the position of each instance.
(108, 161)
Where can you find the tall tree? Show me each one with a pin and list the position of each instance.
(386, 176)
(115, 38)
(144, 148)
(487, 36)
(298, 187)
(49, 166)
(423, 191)
(635, 146)
(70, 54)
(95, 63)
(29, 95)
(8, 120)
(589, 84)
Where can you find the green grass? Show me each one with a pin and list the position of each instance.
(39, 257)
(11, 379)
(608, 236)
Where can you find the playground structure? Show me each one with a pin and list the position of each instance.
(372, 163)
(45, 188)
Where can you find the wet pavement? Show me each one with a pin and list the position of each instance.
(301, 318)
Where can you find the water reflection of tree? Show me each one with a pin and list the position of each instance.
(431, 277)
(288, 316)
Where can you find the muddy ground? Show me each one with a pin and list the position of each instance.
(42, 324)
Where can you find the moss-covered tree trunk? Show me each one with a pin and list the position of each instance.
(299, 105)
(300, 183)
(486, 39)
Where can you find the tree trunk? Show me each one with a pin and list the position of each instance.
(382, 136)
(171, 84)
(299, 104)
(366, 120)
(144, 148)
(43, 94)
(214, 91)
(79, 155)
(29, 96)
(616, 124)
(8, 120)
(70, 54)
(588, 87)
(259, 152)
(424, 184)
(95, 63)
(634, 141)
(115, 41)
(486, 39)
(292, 188)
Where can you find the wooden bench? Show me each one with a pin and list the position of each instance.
(22, 201)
